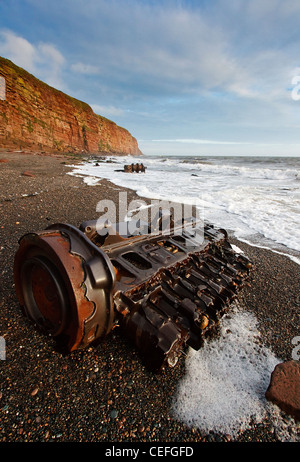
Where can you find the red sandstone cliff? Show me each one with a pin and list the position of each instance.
(35, 116)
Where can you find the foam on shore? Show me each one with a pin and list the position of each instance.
(225, 382)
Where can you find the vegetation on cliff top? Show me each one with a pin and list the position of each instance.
(11, 67)
(52, 117)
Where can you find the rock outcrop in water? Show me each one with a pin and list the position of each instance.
(35, 116)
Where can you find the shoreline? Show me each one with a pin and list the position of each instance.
(105, 393)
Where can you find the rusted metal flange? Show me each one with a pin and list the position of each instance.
(60, 287)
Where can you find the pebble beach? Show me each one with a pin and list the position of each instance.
(104, 394)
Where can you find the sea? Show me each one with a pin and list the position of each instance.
(257, 200)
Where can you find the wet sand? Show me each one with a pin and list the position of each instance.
(104, 393)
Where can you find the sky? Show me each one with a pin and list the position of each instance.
(205, 77)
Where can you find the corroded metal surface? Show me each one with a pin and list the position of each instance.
(134, 168)
(164, 290)
(83, 286)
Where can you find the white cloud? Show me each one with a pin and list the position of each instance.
(43, 60)
(164, 47)
(242, 48)
(192, 71)
(46, 51)
(176, 48)
(196, 141)
(18, 50)
(88, 69)
(51, 61)
(107, 110)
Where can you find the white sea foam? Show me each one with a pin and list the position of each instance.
(257, 199)
(224, 387)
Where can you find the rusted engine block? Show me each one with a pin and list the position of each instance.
(165, 291)
(134, 168)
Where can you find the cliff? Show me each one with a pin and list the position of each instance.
(35, 116)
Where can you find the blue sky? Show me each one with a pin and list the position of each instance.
(218, 77)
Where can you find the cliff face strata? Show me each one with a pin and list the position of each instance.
(35, 116)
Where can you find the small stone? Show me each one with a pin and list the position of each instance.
(27, 173)
(114, 414)
(34, 392)
(284, 388)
